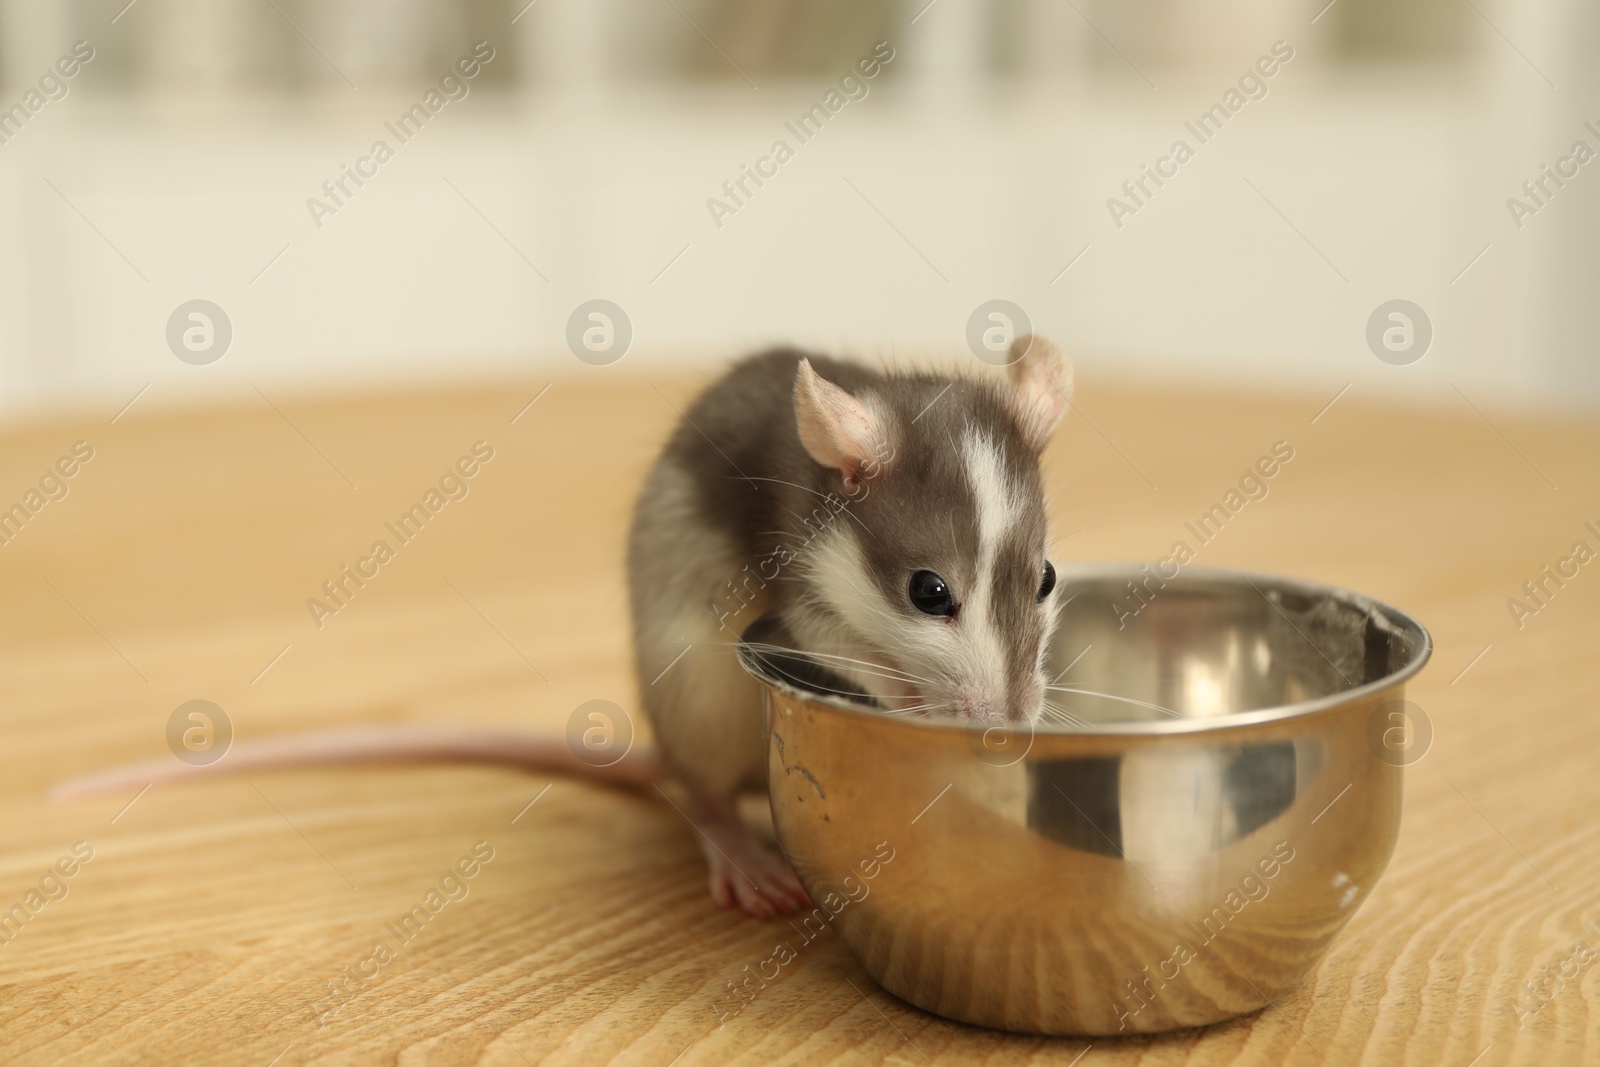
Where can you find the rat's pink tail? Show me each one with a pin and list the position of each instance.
(399, 743)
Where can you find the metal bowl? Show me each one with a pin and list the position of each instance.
(1180, 851)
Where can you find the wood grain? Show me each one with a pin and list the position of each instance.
(203, 930)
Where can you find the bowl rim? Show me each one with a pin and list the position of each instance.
(1421, 652)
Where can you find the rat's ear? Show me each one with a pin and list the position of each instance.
(837, 429)
(1041, 386)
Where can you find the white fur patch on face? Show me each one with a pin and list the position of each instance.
(1000, 504)
(1000, 500)
(909, 661)
(843, 620)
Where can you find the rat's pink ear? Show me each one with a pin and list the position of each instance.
(1041, 386)
(837, 429)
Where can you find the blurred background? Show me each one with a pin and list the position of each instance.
(178, 164)
(278, 264)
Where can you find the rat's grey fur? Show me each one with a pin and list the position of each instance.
(731, 487)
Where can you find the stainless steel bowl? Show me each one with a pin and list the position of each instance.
(1181, 851)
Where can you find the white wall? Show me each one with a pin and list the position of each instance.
(1397, 177)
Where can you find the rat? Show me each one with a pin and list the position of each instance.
(889, 526)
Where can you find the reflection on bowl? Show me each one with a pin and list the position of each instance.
(1177, 843)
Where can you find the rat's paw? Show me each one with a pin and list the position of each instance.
(762, 885)
(745, 873)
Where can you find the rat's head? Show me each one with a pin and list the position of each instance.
(936, 569)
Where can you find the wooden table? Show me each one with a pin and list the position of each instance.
(212, 914)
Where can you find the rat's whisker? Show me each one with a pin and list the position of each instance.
(813, 492)
(1113, 696)
(866, 666)
(904, 696)
(1076, 530)
(919, 709)
(836, 658)
(827, 659)
(1056, 714)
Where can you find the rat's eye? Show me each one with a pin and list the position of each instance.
(930, 595)
(1049, 582)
